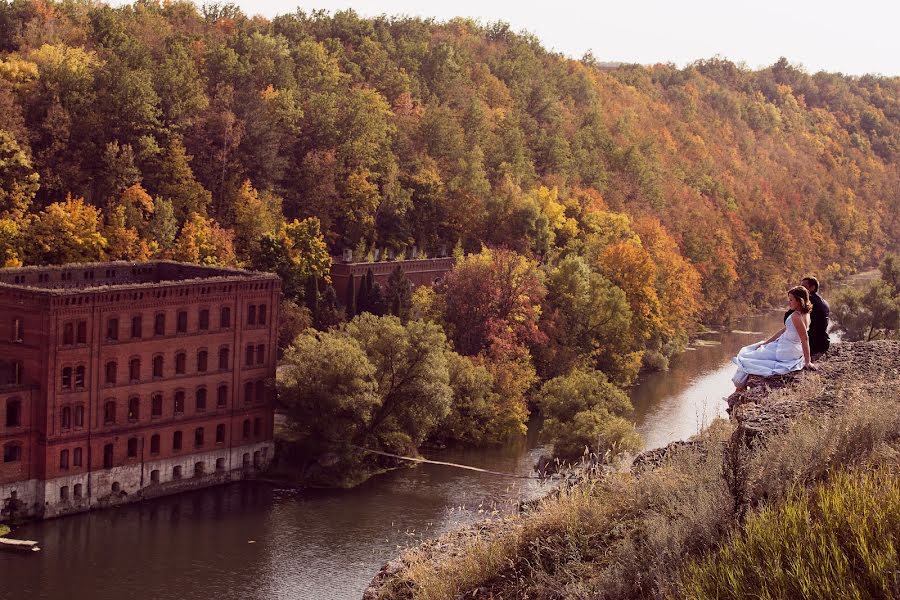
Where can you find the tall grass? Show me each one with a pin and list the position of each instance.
(840, 540)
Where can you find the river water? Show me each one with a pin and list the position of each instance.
(249, 541)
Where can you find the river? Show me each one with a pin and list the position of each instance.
(248, 541)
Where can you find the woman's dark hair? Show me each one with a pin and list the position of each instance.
(802, 296)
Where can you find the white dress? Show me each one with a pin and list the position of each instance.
(781, 356)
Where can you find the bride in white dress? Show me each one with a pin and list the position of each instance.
(786, 351)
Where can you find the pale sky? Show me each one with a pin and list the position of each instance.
(853, 37)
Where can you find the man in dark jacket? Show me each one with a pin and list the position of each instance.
(818, 324)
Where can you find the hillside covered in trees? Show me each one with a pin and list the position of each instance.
(617, 207)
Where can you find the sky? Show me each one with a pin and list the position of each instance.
(852, 37)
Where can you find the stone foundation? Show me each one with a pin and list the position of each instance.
(131, 483)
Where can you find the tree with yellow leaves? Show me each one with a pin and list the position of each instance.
(204, 242)
(65, 232)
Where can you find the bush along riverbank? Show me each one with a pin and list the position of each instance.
(804, 457)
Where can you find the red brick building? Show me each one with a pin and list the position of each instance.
(121, 381)
(425, 271)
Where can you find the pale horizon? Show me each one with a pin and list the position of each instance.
(852, 39)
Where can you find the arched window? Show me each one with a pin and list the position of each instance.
(198, 437)
(223, 359)
(76, 457)
(199, 468)
(64, 459)
(132, 447)
(222, 396)
(154, 476)
(134, 408)
(248, 392)
(156, 405)
(137, 326)
(251, 314)
(262, 314)
(67, 378)
(245, 432)
(181, 321)
(257, 427)
(77, 490)
(260, 354)
(79, 415)
(176, 472)
(248, 357)
(179, 402)
(220, 464)
(112, 329)
(154, 443)
(260, 391)
(176, 441)
(157, 366)
(202, 361)
(111, 372)
(134, 369)
(79, 377)
(66, 417)
(225, 318)
(180, 363)
(81, 332)
(14, 413)
(109, 412)
(200, 398)
(159, 324)
(203, 324)
(220, 434)
(68, 334)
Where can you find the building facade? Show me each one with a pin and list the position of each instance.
(122, 381)
(424, 271)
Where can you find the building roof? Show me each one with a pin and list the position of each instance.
(77, 278)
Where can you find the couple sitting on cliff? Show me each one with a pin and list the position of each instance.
(804, 335)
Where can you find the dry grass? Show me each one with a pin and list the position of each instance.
(627, 536)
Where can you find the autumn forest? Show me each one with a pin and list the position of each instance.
(600, 212)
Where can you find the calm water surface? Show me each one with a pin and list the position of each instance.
(255, 542)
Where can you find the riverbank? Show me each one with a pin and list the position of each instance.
(631, 533)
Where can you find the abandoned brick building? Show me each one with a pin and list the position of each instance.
(121, 381)
(423, 271)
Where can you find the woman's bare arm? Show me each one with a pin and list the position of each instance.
(800, 324)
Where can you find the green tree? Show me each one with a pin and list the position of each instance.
(584, 412)
(399, 294)
(162, 226)
(473, 412)
(174, 180)
(413, 379)
(328, 386)
(586, 319)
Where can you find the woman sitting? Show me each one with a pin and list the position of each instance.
(786, 351)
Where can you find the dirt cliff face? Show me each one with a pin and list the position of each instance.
(764, 410)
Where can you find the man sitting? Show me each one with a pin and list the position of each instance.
(819, 341)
